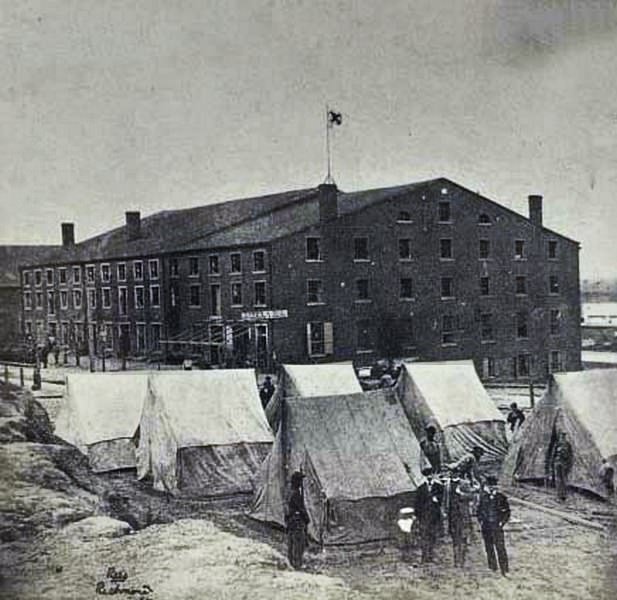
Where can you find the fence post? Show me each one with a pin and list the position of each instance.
(21, 376)
(6, 374)
(532, 400)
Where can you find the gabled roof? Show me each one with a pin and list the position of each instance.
(12, 257)
(169, 230)
(249, 221)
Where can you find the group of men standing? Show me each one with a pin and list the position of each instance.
(453, 498)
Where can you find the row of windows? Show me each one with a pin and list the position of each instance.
(105, 271)
(236, 294)
(315, 288)
(405, 252)
(214, 264)
(105, 299)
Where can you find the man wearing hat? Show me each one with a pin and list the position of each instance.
(428, 512)
(459, 494)
(430, 448)
(267, 391)
(468, 464)
(493, 514)
(296, 519)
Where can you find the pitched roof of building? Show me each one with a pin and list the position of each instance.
(247, 221)
(169, 229)
(12, 257)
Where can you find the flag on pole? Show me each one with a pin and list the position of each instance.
(334, 118)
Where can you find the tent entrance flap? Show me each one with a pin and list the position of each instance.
(218, 470)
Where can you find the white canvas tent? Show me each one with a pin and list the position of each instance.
(203, 432)
(584, 405)
(362, 464)
(450, 396)
(100, 415)
(312, 381)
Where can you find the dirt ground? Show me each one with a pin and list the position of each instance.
(211, 549)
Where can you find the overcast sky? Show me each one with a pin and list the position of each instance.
(108, 106)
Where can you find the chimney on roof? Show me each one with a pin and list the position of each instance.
(535, 209)
(328, 202)
(133, 224)
(68, 234)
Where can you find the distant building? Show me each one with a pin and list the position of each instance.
(429, 270)
(11, 257)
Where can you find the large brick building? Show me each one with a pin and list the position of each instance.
(430, 270)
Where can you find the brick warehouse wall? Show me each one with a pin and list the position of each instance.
(384, 324)
(386, 312)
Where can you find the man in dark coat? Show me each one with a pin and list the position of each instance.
(431, 449)
(428, 512)
(515, 417)
(296, 519)
(493, 514)
(266, 392)
(561, 461)
(459, 494)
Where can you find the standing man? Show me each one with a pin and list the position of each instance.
(296, 519)
(266, 392)
(428, 512)
(459, 494)
(607, 474)
(561, 461)
(431, 448)
(493, 514)
(515, 418)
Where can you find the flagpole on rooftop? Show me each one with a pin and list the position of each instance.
(329, 175)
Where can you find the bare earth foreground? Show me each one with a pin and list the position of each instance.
(214, 551)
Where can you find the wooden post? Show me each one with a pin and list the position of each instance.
(6, 374)
(532, 400)
(21, 376)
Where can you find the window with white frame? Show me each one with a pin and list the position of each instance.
(313, 249)
(38, 298)
(64, 299)
(153, 268)
(76, 275)
(320, 339)
(62, 276)
(553, 284)
(90, 274)
(105, 273)
(77, 298)
(138, 270)
(448, 330)
(106, 297)
(195, 295)
(121, 271)
(139, 296)
(49, 274)
(91, 298)
(406, 288)
(259, 261)
(122, 300)
(519, 249)
(447, 287)
(259, 288)
(360, 249)
(155, 295)
(404, 249)
(28, 300)
(193, 266)
(236, 294)
(27, 278)
(521, 285)
(236, 262)
(445, 249)
(38, 278)
(214, 267)
(314, 291)
(51, 303)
